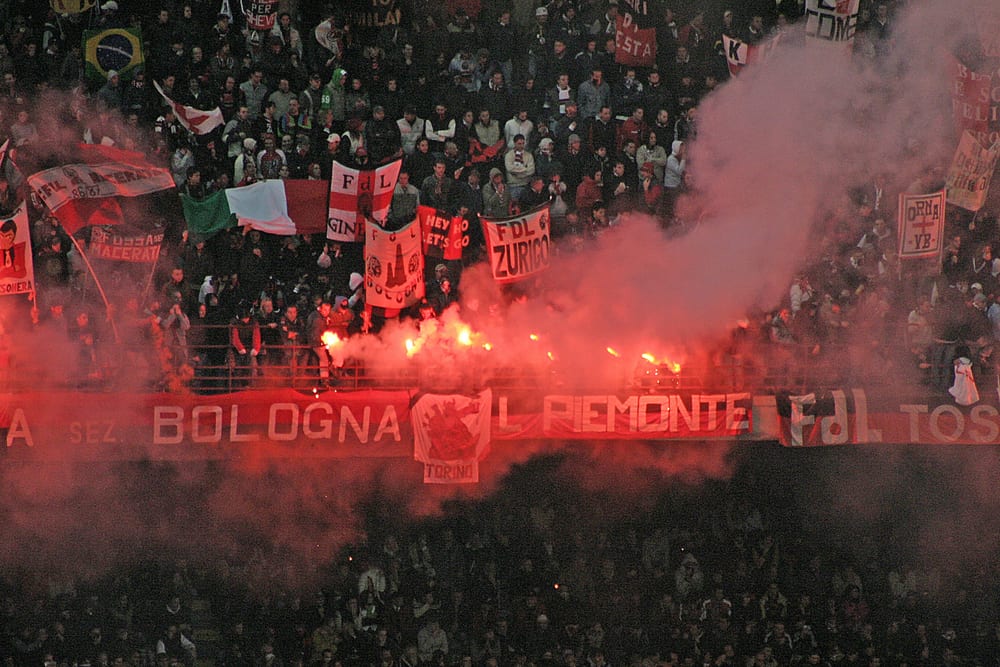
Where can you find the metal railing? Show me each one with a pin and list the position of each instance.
(215, 368)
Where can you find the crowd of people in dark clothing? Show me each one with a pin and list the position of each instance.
(731, 573)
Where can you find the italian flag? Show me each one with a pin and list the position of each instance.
(278, 207)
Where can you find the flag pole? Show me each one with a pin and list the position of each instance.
(97, 282)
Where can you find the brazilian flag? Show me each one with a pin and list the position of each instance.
(118, 49)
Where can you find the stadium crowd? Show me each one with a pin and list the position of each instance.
(731, 574)
(492, 111)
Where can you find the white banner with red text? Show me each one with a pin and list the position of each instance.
(518, 247)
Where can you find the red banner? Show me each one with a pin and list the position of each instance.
(634, 46)
(442, 236)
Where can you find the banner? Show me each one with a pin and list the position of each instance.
(71, 6)
(975, 103)
(116, 247)
(832, 21)
(451, 435)
(195, 121)
(367, 17)
(394, 267)
(518, 247)
(921, 225)
(357, 196)
(634, 46)
(971, 172)
(260, 14)
(853, 417)
(279, 422)
(118, 49)
(59, 185)
(442, 236)
(740, 54)
(17, 275)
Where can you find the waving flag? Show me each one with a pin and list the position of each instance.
(103, 172)
(118, 49)
(195, 121)
(739, 54)
(357, 196)
(296, 206)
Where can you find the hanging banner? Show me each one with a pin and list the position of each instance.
(112, 246)
(921, 225)
(443, 236)
(394, 267)
(634, 46)
(518, 247)
(832, 21)
(17, 275)
(971, 172)
(451, 435)
(260, 14)
(358, 196)
(970, 101)
(740, 54)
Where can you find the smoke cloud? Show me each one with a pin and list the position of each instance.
(777, 149)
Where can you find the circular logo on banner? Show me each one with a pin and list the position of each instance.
(116, 49)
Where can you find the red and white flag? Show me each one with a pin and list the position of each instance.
(195, 121)
(739, 54)
(451, 435)
(358, 196)
(394, 267)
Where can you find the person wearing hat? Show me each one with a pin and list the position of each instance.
(546, 163)
(496, 196)
(111, 92)
(247, 158)
(538, 42)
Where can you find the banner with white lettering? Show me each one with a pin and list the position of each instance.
(634, 46)
(357, 196)
(444, 236)
(971, 105)
(59, 185)
(260, 14)
(518, 247)
(17, 274)
(110, 245)
(739, 54)
(451, 435)
(832, 21)
(394, 267)
(971, 172)
(856, 417)
(921, 225)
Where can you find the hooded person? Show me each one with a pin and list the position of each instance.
(673, 173)
(334, 96)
